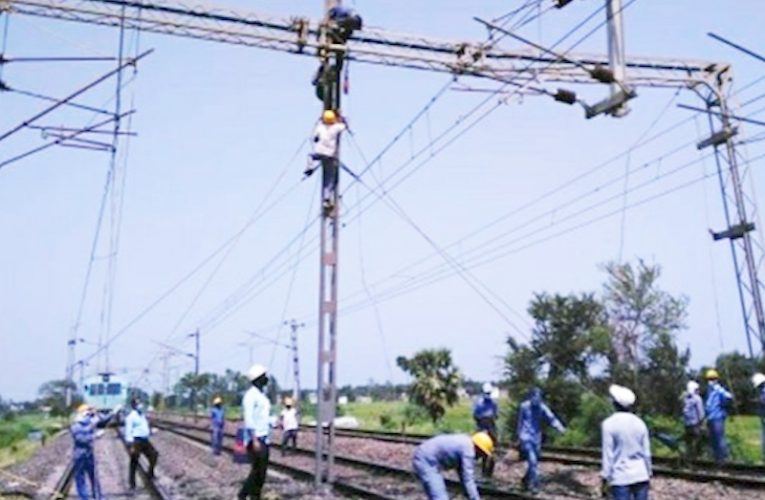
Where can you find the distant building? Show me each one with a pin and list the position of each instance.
(342, 400)
(312, 398)
(364, 400)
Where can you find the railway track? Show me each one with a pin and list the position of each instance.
(407, 485)
(111, 464)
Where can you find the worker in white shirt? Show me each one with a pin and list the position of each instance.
(626, 450)
(288, 421)
(137, 432)
(256, 409)
(326, 139)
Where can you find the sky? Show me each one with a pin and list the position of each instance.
(217, 232)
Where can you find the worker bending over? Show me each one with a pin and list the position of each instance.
(532, 413)
(137, 432)
(450, 451)
(289, 422)
(485, 415)
(326, 139)
(217, 425)
(718, 398)
(256, 409)
(626, 448)
(693, 417)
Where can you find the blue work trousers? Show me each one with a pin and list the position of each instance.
(430, 477)
(217, 440)
(637, 491)
(762, 420)
(85, 468)
(717, 439)
(531, 451)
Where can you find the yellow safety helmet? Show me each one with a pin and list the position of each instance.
(483, 442)
(329, 117)
(711, 374)
(217, 400)
(83, 408)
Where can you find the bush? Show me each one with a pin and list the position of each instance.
(387, 422)
(584, 429)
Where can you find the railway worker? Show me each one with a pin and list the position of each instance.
(758, 381)
(83, 434)
(693, 418)
(326, 138)
(626, 447)
(485, 415)
(256, 410)
(289, 422)
(137, 432)
(450, 451)
(718, 398)
(531, 414)
(217, 424)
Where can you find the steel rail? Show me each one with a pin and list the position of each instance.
(152, 488)
(374, 467)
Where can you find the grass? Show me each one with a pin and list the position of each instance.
(14, 445)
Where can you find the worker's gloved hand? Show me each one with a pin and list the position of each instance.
(605, 490)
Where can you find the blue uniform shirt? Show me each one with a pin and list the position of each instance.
(485, 407)
(762, 401)
(136, 426)
(693, 410)
(530, 418)
(451, 451)
(217, 417)
(82, 434)
(717, 398)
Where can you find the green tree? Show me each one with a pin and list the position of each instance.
(568, 337)
(53, 395)
(436, 380)
(663, 376)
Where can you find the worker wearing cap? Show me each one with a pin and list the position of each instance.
(289, 422)
(83, 433)
(256, 410)
(693, 418)
(326, 139)
(217, 424)
(626, 447)
(137, 433)
(718, 398)
(532, 413)
(758, 381)
(485, 415)
(450, 451)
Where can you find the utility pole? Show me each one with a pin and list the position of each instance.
(294, 325)
(196, 371)
(69, 369)
(326, 392)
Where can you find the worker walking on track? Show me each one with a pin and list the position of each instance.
(83, 434)
(217, 425)
(693, 418)
(758, 381)
(718, 398)
(626, 447)
(485, 413)
(450, 451)
(256, 410)
(289, 422)
(326, 139)
(531, 415)
(137, 432)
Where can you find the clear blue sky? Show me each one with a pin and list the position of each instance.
(217, 125)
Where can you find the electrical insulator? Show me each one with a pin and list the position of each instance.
(559, 4)
(602, 74)
(567, 96)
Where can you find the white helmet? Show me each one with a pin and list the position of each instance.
(622, 395)
(256, 371)
(758, 379)
(692, 386)
(487, 388)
